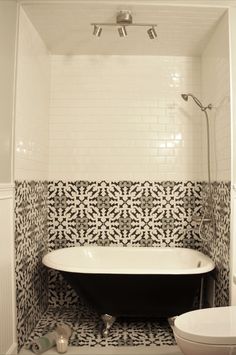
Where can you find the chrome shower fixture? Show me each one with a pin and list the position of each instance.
(198, 102)
(123, 20)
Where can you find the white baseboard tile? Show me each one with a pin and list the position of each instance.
(6, 191)
(12, 350)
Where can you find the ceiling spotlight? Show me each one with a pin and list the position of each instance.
(97, 30)
(123, 20)
(152, 33)
(122, 31)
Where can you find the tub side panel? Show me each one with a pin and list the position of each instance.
(137, 295)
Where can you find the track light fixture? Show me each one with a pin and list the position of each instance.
(123, 20)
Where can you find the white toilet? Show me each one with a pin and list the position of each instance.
(210, 331)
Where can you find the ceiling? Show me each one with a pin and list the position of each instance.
(65, 28)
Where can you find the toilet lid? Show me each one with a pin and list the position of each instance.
(209, 326)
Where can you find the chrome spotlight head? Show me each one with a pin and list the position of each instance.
(152, 33)
(97, 30)
(122, 31)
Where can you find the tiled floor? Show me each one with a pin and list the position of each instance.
(87, 327)
(124, 350)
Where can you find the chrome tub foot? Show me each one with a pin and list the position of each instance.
(108, 320)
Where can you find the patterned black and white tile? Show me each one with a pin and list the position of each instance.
(216, 239)
(52, 215)
(121, 213)
(87, 329)
(30, 244)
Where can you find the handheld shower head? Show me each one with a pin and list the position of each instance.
(184, 97)
(198, 102)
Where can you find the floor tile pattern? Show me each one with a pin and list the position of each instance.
(87, 327)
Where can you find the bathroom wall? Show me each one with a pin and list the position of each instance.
(8, 42)
(31, 172)
(216, 90)
(32, 104)
(122, 118)
(8, 31)
(232, 30)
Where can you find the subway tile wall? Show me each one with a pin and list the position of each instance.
(122, 117)
(32, 104)
(216, 90)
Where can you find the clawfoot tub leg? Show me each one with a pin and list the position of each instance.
(108, 321)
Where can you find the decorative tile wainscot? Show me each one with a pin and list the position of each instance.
(30, 243)
(59, 214)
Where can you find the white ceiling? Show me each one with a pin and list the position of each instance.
(65, 28)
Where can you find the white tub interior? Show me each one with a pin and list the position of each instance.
(129, 260)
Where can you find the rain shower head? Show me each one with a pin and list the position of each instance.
(198, 102)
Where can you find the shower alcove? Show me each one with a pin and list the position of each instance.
(107, 152)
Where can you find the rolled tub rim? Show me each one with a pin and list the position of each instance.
(47, 261)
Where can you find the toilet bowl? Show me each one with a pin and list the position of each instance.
(210, 331)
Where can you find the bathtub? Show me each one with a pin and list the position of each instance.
(133, 282)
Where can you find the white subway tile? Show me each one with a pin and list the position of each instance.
(115, 118)
(32, 104)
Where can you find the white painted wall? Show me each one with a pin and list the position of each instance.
(216, 90)
(8, 20)
(116, 117)
(8, 35)
(7, 284)
(32, 104)
(232, 27)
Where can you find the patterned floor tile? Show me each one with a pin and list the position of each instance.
(87, 328)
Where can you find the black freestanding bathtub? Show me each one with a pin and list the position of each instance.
(133, 282)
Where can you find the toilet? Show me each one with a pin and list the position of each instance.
(210, 331)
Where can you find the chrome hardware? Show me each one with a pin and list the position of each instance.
(122, 31)
(201, 293)
(152, 33)
(124, 19)
(108, 321)
(171, 321)
(97, 30)
(199, 219)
